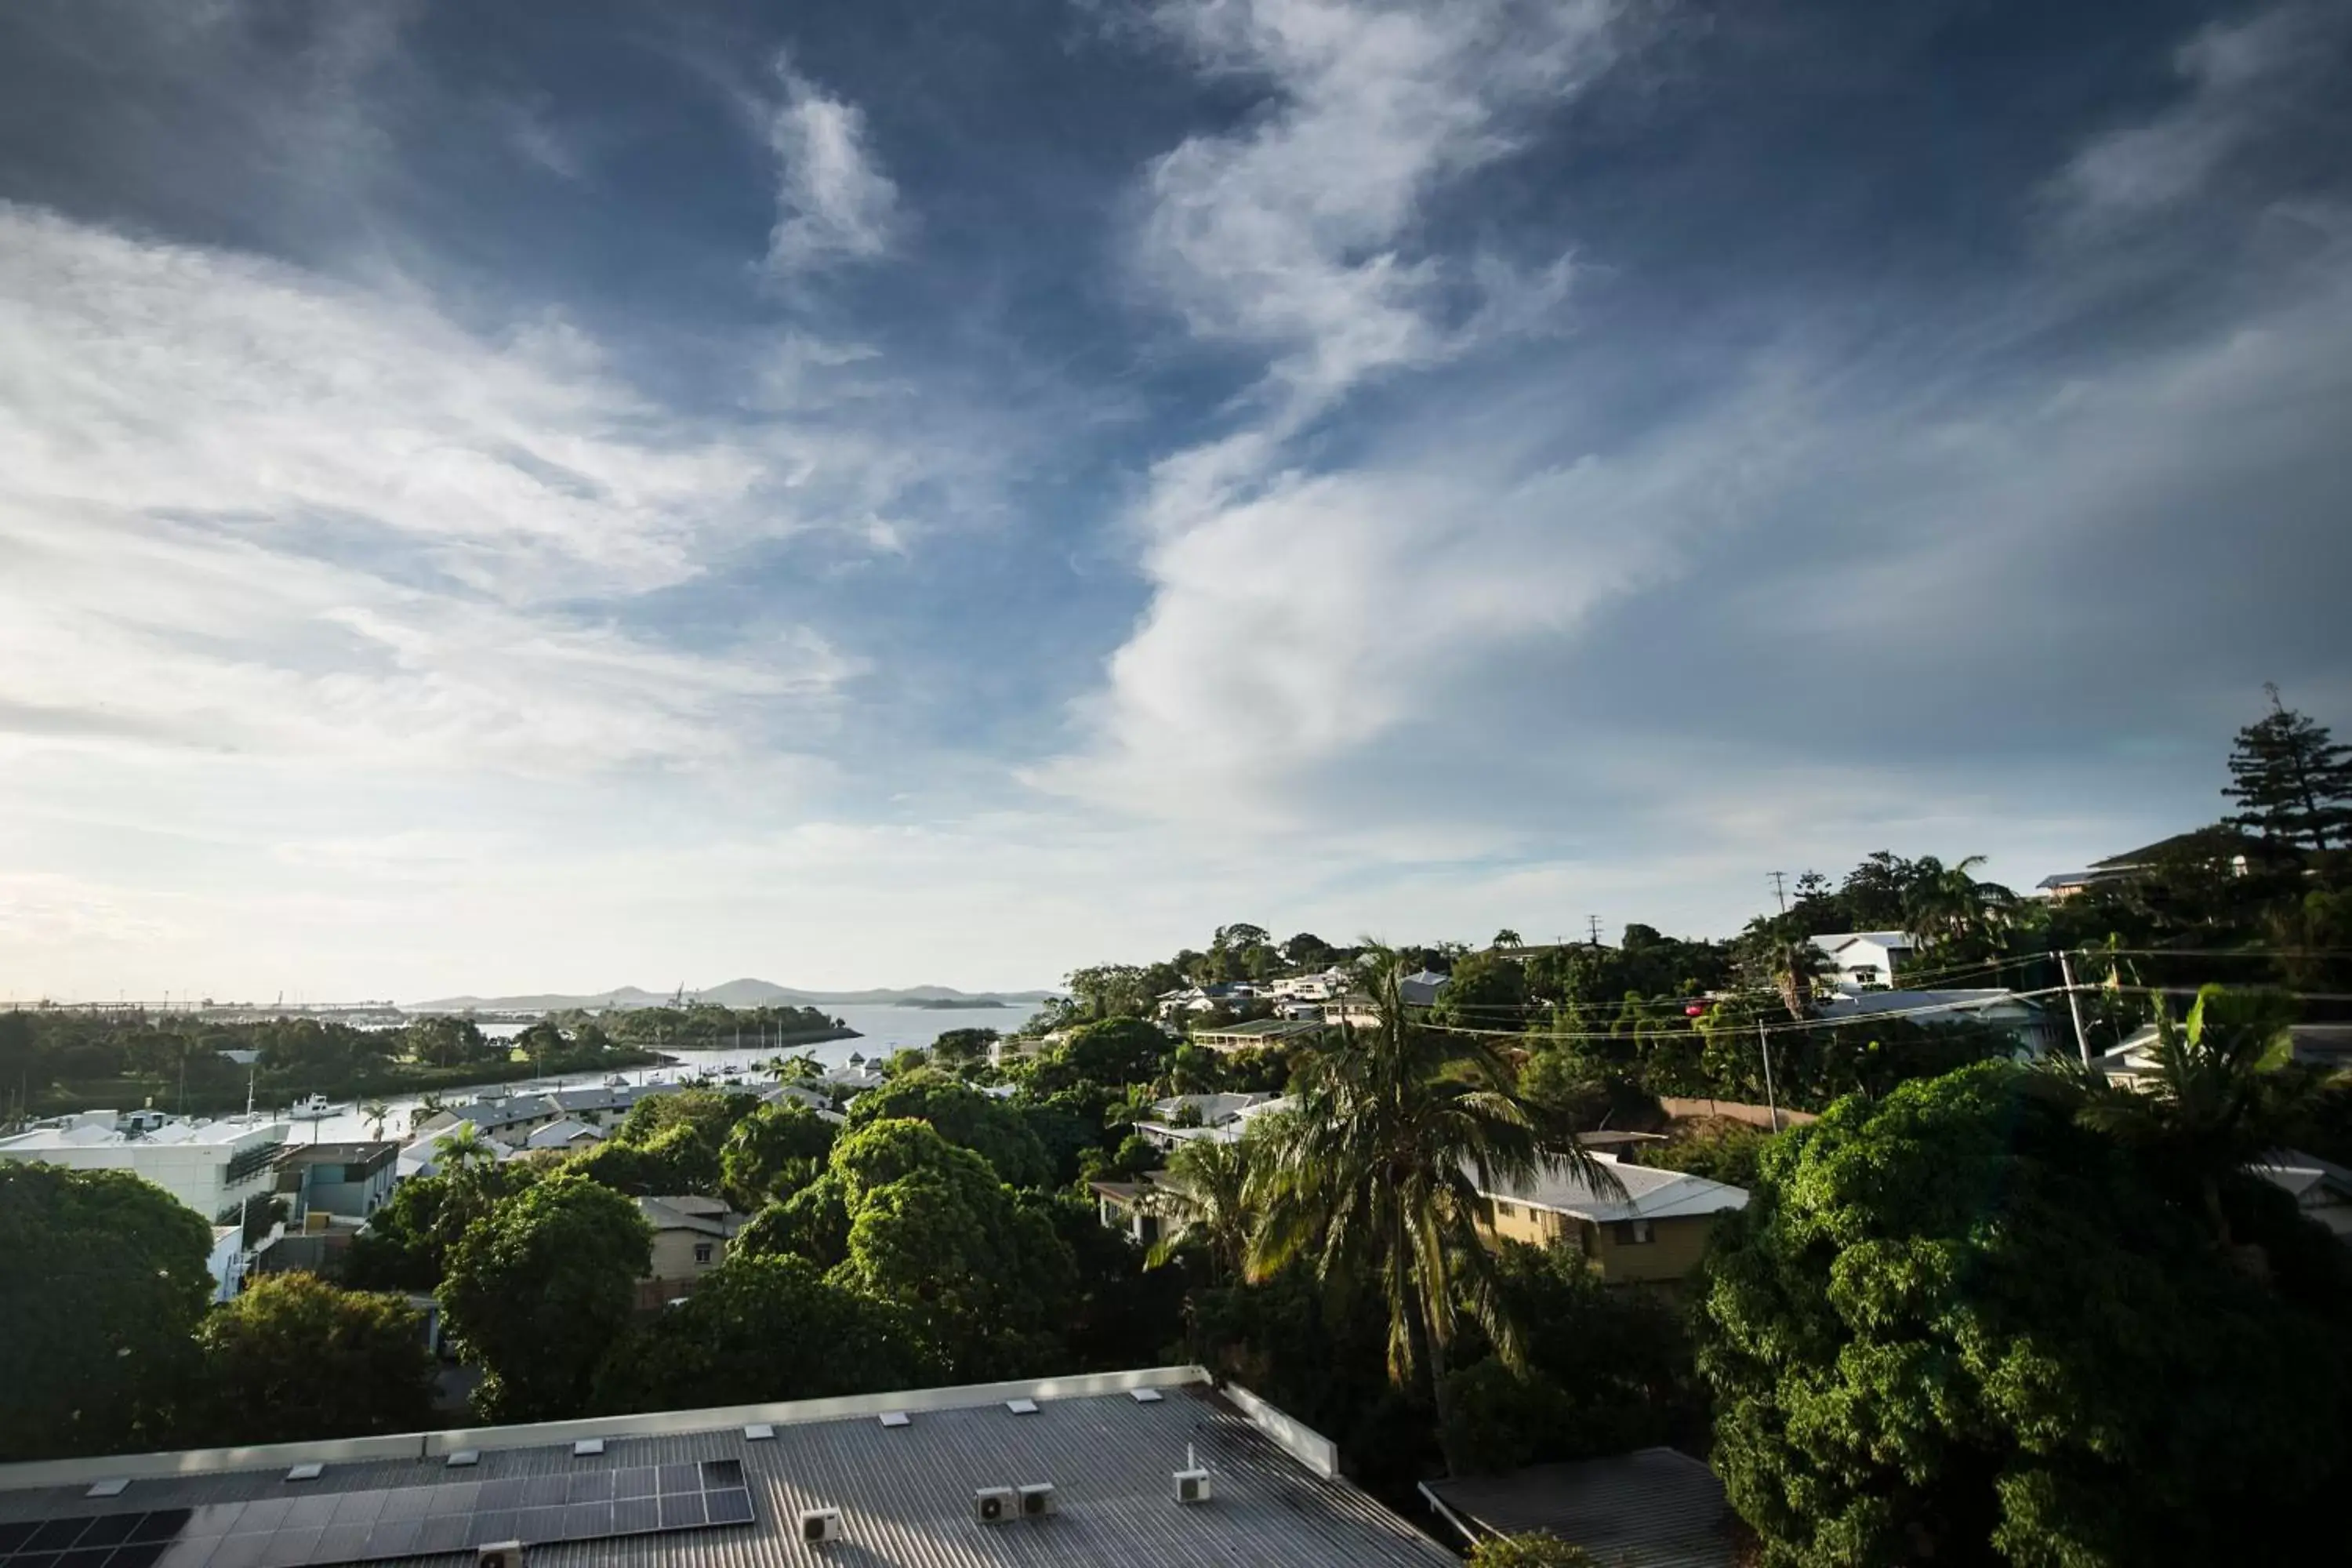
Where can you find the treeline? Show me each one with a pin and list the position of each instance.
(54, 1059)
(706, 1026)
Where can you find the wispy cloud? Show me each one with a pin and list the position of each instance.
(834, 202)
(246, 505)
(2243, 80)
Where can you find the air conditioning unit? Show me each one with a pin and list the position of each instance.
(1192, 1486)
(500, 1554)
(820, 1524)
(994, 1505)
(1037, 1501)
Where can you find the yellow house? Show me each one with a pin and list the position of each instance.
(690, 1238)
(1656, 1231)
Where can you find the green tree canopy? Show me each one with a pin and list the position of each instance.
(677, 1158)
(294, 1359)
(762, 1328)
(711, 1114)
(964, 1117)
(102, 1284)
(961, 1050)
(1959, 1322)
(932, 1230)
(540, 1288)
(1538, 1548)
(774, 1152)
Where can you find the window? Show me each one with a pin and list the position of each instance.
(1632, 1233)
(1507, 1210)
(702, 1250)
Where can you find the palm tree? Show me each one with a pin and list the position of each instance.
(375, 1113)
(1507, 937)
(1204, 1197)
(2217, 1101)
(1381, 1173)
(462, 1147)
(428, 1106)
(1946, 907)
(1778, 955)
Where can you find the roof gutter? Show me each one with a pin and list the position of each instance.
(1469, 1532)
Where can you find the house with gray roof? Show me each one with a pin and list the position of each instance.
(1633, 1224)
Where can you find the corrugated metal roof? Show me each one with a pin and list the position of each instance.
(905, 1493)
(1650, 1193)
(1651, 1509)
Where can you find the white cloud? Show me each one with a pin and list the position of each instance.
(245, 507)
(2241, 76)
(834, 204)
(1294, 232)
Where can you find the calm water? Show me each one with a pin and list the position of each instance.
(881, 1030)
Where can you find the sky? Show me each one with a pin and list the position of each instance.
(557, 496)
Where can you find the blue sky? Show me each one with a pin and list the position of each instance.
(559, 496)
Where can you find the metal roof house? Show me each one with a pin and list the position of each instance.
(1152, 1469)
(1655, 1229)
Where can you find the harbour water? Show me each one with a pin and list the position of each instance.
(881, 1030)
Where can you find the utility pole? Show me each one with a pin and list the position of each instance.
(1592, 928)
(1770, 1104)
(1779, 891)
(2074, 1006)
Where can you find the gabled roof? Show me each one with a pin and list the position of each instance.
(1648, 1193)
(1926, 1005)
(705, 1217)
(1837, 941)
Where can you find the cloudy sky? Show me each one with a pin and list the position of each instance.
(557, 496)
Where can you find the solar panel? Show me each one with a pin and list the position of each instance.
(321, 1528)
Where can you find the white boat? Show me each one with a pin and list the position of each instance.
(311, 1108)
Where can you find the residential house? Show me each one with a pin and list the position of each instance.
(1655, 1230)
(1211, 1117)
(347, 1179)
(1256, 1034)
(2321, 1189)
(690, 1238)
(1654, 1507)
(567, 1133)
(2029, 1027)
(1321, 987)
(2219, 848)
(2327, 1047)
(213, 1167)
(1867, 958)
(1139, 1468)
(1128, 1206)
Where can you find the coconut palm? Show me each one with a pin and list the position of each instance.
(1202, 1197)
(375, 1113)
(1379, 1174)
(1777, 955)
(462, 1147)
(2216, 1102)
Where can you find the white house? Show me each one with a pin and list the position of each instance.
(1867, 958)
(2021, 1017)
(211, 1166)
(1206, 1118)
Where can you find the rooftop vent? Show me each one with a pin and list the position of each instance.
(1021, 1406)
(820, 1524)
(306, 1472)
(1037, 1501)
(587, 1447)
(1144, 1396)
(499, 1554)
(894, 1418)
(758, 1431)
(463, 1457)
(994, 1505)
(112, 1487)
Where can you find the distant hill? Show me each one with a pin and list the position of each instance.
(733, 993)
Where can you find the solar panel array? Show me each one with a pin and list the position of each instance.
(364, 1525)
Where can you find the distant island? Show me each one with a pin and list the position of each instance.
(733, 993)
